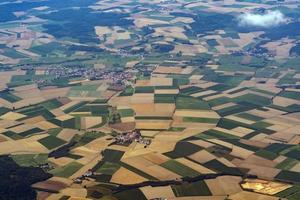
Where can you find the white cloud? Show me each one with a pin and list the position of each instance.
(269, 19)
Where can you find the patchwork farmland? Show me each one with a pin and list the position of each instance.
(123, 100)
(197, 128)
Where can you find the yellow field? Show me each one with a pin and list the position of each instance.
(250, 196)
(168, 70)
(160, 81)
(189, 49)
(28, 145)
(153, 109)
(141, 22)
(172, 32)
(202, 156)
(34, 120)
(45, 125)
(156, 158)
(12, 116)
(199, 114)
(153, 124)
(75, 192)
(5, 77)
(21, 128)
(142, 98)
(67, 134)
(166, 91)
(224, 185)
(64, 117)
(124, 176)
(88, 122)
(157, 192)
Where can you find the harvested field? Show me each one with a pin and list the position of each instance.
(157, 192)
(29, 145)
(202, 156)
(153, 124)
(124, 176)
(67, 134)
(157, 109)
(199, 114)
(171, 32)
(190, 50)
(250, 196)
(160, 81)
(142, 98)
(141, 22)
(224, 185)
(45, 125)
(50, 185)
(89, 122)
(156, 158)
(12, 116)
(168, 70)
(123, 127)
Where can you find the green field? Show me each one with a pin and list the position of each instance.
(126, 112)
(129, 195)
(180, 169)
(111, 155)
(12, 135)
(253, 99)
(266, 154)
(198, 188)
(178, 152)
(127, 92)
(219, 134)
(200, 120)
(144, 89)
(4, 110)
(51, 104)
(186, 102)
(250, 117)
(9, 97)
(290, 193)
(219, 101)
(287, 164)
(108, 168)
(28, 160)
(164, 98)
(31, 132)
(51, 142)
(67, 170)
(291, 95)
(234, 109)
(290, 176)
(74, 107)
(88, 137)
(190, 90)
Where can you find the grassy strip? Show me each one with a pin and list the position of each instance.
(200, 120)
(180, 169)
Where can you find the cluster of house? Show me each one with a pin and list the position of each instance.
(87, 174)
(118, 77)
(91, 73)
(46, 166)
(133, 136)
